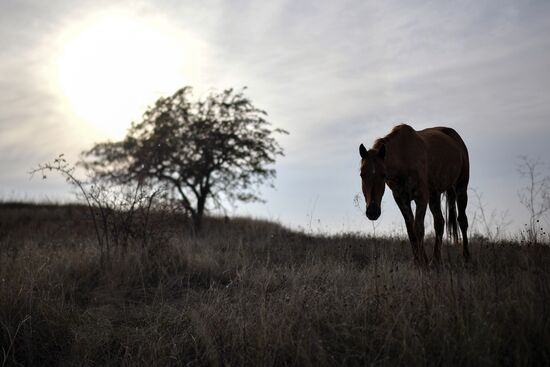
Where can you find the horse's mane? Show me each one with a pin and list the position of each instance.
(396, 130)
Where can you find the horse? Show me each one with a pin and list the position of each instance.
(419, 166)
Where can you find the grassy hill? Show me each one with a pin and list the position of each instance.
(252, 293)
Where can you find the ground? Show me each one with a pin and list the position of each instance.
(252, 293)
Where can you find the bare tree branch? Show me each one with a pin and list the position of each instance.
(535, 195)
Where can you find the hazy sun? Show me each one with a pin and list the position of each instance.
(112, 68)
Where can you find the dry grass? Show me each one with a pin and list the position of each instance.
(251, 293)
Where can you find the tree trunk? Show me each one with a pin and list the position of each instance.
(198, 214)
(197, 222)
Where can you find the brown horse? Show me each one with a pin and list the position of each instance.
(419, 166)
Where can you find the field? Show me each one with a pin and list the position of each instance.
(252, 293)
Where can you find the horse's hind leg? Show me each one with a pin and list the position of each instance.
(439, 226)
(421, 206)
(461, 203)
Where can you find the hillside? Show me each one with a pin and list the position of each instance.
(253, 293)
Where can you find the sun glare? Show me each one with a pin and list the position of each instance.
(112, 69)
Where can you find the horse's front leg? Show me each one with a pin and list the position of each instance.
(421, 206)
(404, 205)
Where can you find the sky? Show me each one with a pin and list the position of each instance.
(333, 73)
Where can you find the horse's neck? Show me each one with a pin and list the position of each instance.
(394, 153)
(400, 155)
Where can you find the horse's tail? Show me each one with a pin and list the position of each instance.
(452, 228)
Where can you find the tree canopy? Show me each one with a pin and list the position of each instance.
(207, 150)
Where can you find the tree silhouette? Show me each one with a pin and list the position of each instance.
(206, 150)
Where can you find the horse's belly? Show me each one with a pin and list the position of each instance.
(443, 177)
(445, 162)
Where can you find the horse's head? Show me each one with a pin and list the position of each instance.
(373, 174)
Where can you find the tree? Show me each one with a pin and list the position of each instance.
(206, 150)
(535, 195)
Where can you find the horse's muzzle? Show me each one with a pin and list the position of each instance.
(373, 212)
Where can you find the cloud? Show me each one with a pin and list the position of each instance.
(334, 74)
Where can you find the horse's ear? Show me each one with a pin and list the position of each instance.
(362, 151)
(382, 151)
